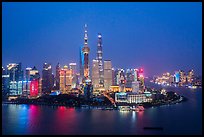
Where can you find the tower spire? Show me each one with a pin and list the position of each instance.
(85, 36)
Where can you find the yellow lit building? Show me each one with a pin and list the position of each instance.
(65, 80)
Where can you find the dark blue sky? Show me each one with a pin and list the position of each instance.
(157, 36)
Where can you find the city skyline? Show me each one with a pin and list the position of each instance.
(57, 34)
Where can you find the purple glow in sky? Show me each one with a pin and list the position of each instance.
(159, 37)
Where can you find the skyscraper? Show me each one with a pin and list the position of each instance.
(86, 50)
(129, 78)
(141, 80)
(34, 74)
(177, 77)
(73, 67)
(65, 80)
(95, 74)
(99, 58)
(190, 76)
(88, 90)
(15, 72)
(57, 76)
(27, 73)
(47, 80)
(107, 74)
(182, 77)
(5, 81)
(15, 78)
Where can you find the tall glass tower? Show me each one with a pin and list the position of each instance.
(99, 58)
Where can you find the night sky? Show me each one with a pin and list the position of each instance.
(159, 37)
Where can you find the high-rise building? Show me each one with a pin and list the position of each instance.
(34, 87)
(34, 74)
(40, 87)
(135, 86)
(95, 74)
(57, 76)
(15, 78)
(88, 90)
(182, 77)
(113, 75)
(100, 62)
(73, 67)
(190, 76)
(177, 77)
(5, 81)
(141, 79)
(86, 50)
(27, 73)
(15, 72)
(47, 78)
(65, 80)
(129, 78)
(117, 76)
(135, 74)
(107, 74)
(26, 88)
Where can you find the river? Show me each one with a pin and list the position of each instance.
(179, 119)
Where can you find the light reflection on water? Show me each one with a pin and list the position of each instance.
(182, 118)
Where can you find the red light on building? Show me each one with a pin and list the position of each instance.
(141, 70)
(34, 88)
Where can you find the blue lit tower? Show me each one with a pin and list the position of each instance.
(100, 62)
(86, 50)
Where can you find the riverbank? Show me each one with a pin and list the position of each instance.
(102, 107)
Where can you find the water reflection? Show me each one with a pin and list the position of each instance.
(65, 119)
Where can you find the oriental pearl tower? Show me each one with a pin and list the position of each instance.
(85, 51)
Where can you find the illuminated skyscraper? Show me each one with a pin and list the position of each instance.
(95, 74)
(190, 76)
(15, 72)
(135, 74)
(182, 77)
(86, 50)
(31, 83)
(99, 58)
(57, 76)
(47, 78)
(5, 81)
(27, 73)
(141, 80)
(129, 78)
(107, 74)
(177, 77)
(65, 80)
(88, 90)
(15, 78)
(34, 74)
(73, 67)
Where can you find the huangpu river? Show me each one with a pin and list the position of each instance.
(179, 119)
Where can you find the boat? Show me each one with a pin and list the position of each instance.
(124, 108)
(138, 108)
(153, 128)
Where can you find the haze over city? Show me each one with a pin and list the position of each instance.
(158, 37)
